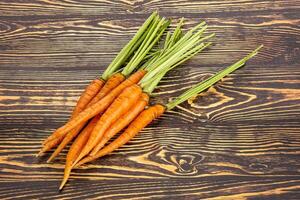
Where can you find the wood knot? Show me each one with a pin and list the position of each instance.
(258, 167)
(209, 99)
(186, 163)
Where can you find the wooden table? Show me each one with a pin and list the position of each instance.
(238, 140)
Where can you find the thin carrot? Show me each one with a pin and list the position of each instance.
(77, 147)
(123, 121)
(142, 120)
(98, 107)
(119, 107)
(89, 93)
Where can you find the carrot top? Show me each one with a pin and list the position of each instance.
(150, 38)
(177, 49)
(130, 48)
(210, 81)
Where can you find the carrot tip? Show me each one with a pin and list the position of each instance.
(51, 158)
(62, 184)
(66, 176)
(39, 153)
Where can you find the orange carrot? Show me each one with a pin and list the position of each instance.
(76, 148)
(90, 91)
(143, 119)
(119, 107)
(110, 84)
(122, 122)
(98, 107)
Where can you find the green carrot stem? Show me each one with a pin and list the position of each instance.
(175, 35)
(210, 81)
(171, 60)
(152, 83)
(167, 39)
(153, 36)
(127, 50)
(178, 46)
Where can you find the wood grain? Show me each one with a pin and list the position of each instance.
(238, 140)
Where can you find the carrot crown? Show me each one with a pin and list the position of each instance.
(129, 49)
(177, 49)
(210, 81)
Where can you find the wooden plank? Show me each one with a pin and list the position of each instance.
(83, 43)
(253, 93)
(112, 7)
(238, 140)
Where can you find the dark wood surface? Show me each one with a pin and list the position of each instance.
(238, 140)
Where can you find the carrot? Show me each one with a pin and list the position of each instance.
(110, 84)
(90, 91)
(119, 107)
(153, 112)
(98, 107)
(76, 148)
(142, 120)
(123, 121)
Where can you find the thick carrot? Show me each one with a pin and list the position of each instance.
(98, 107)
(143, 119)
(90, 91)
(76, 148)
(110, 84)
(119, 107)
(122, 122)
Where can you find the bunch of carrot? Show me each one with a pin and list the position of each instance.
(119, 99)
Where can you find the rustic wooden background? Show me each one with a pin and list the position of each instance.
(238, 140)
